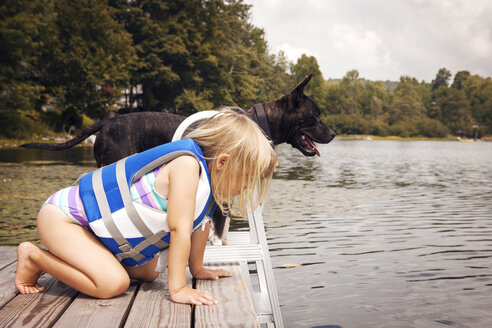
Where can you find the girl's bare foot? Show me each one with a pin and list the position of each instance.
(27, 273)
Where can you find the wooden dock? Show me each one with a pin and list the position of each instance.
(142, 305)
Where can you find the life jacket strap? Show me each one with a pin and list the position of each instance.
(124, 246)
(128, 202)
(106, 216)
(135, 253)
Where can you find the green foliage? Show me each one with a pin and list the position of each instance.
(304, 66)
(380, 128)
(478, 91)
(91, 58)
(427, 127)
(351, 86)
(459, 79)
(409, 109)
(406, 103)
(403, 129)
(195, 55)
(454, 108)
(24, 29)
(190, 55)
(69, 50)
(21, 124)
(442, 79)
(348, 124)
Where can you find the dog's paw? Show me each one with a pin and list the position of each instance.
(215, 240)
(212, 236)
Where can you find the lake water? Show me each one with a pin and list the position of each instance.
(370, 234)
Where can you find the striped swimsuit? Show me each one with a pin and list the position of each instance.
(142, 191)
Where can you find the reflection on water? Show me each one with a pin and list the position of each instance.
(27, 178)
(372, 234)
(387, 234)
(79, 155)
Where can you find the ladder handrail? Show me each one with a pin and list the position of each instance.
(257, 231)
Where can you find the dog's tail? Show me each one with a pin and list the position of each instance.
(86, 133)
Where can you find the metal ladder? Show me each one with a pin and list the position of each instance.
(251, 247)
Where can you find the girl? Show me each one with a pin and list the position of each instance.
(92, 247)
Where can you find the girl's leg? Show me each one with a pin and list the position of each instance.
(144, 272)
(27, 273)
(75, 256)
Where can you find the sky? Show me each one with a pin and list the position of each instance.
(382, 39)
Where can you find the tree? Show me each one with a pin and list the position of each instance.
(455, 110)
(442, 79)
(159, 43)
(90, 61)
(196, 55)
(478, 91)
(304, 66)
(351, 84)
(406, 103)
(26, 31)
(372, 99)
(459, 79)
(332, 98)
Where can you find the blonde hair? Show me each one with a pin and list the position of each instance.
(251, 158)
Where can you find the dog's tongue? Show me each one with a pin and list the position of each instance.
(315, 149)
(312, 145)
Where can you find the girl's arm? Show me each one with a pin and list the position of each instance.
(198, 242)
(183, 176)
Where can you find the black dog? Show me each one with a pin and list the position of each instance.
(294, 119)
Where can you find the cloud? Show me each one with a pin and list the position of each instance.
(293, 53)
(364, 47)
(382, 39)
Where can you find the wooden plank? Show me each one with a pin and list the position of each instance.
(86, 311)
(153, 308)
(8, 256)
(7, 288)
(235, 307)
(38, 310)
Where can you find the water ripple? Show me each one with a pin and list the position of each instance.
(406, 237)
(372, 234)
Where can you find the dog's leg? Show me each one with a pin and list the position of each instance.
(213, 236)
(225, 232)
(218, 223)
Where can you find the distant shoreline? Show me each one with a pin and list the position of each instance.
(396, 138)
(14, 143)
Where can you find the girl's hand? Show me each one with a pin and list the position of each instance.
(193, 296)
(210, 274)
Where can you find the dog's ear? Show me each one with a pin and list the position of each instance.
(299, 89)
(296, 95)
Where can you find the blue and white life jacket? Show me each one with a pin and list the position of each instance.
(133, 231)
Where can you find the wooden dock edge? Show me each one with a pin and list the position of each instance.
(142, 305)
(235, 308)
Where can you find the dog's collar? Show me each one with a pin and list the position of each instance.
(262, 120)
